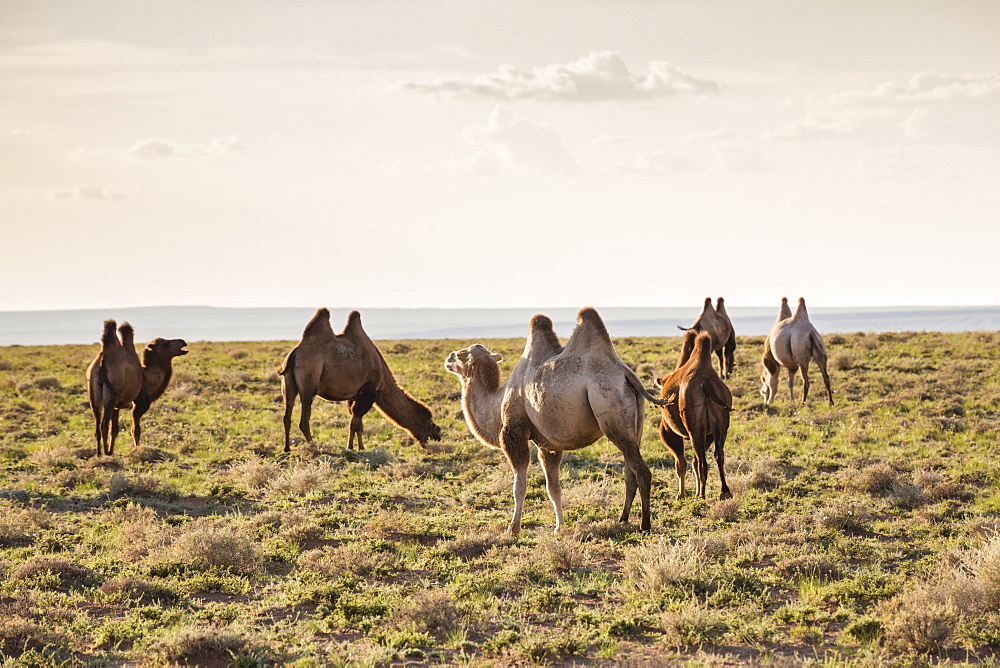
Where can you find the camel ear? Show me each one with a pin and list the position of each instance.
(497, 357)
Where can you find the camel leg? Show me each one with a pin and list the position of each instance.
(730, 355)
(289, 390)
(826, 381)
(721, 354)
(138, 410)
(720, 459)
(791, 384)
(804, 371)
(631, 487)
(700, 446)
(109, 413)
(551, 462)
(675, 443)
(306, 414)
(358, 407)
(514, 440)
(113, 432)
(98, 418)
(627, 442)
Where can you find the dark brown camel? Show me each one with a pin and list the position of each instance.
(157, 369)
(716, 322)
(348, 367)
(114, 380)
(699, 411)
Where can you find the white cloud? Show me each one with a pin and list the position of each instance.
(92, 193)
(871, 125)
(597, 77)
(154, 147)
(942, 88)
(653, 162)
(508, 143)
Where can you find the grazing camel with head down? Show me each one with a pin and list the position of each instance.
(792, 343)
(116, 379)
(559, 399)
(348, 367)
(698, 410)
(716, 322)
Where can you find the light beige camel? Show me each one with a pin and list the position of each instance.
(559, 399)
(699, 411)
(114, 380)
(716, 322)
(792, 343)
(348, 367)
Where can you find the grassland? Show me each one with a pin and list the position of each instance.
(860, 533)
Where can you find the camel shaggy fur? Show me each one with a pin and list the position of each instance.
(716, 322)
(348, 367)
(792, 343)
(559, 399)
(114, 380)
(699, 411)
(157, 369)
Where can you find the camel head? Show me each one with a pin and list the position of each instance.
(165, 348)
(472, 361)
(769, 380)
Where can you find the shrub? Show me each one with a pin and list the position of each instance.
(348, 559)
(201, 646)
(254, 473)
(138, 590)
(53, 573)
(661, 565)
(19, 635)
(918, 621)
(207, 544)
(692, 624)
(429, 611)
(137, 484)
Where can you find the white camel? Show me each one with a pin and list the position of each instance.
(559, 399)
(792, 343)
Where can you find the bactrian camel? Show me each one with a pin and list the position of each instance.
(698, 410)
(116, 379)
(559, 399)
(716, 322)
(792, 343)
(348, 367)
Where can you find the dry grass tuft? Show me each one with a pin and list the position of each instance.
(659, 565)
(692, 625)
(254, 473)
(207, 543)
(302, 479)
(199, 645)
(53, 573)
(351, 559)
(429, 611)
(138, 484)
(561, 555)
(20, 526)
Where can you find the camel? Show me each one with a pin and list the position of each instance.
(114, 380)
(700, 412)
(792, 343)
(716, 322)
(157, 369)
(558, 398)
(348, 367)
(115, 384)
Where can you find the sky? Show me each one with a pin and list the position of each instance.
(464, 153)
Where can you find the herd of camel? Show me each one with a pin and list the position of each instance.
(557, 397)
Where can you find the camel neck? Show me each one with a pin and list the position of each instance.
(481, 405)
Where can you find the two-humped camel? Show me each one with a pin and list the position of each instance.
(559, 399)
(792, 343)
(116, 379)
(348, 367)
(716, 322)
(698, 410)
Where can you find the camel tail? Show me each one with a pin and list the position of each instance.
(636, 383)
(109, 337)
(287, 364)
(710, 392)
(819, 348)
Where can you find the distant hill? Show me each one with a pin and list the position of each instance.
(206, 323)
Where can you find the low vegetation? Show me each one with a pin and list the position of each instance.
(864, 532)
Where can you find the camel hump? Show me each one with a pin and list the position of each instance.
(353, 325)
(319, 325)
(542, 339)
(109, 337)
(128, 334)
(590, 332)
(720, 306)
(708, 303)
(800, 311)
(703, 348)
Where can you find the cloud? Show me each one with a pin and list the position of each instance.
(92, 193)
(600, 76)
(872, 125)
(508, 143)
(653, 163)
(933, 87)
(893, 163)
(154, 147)
(739, 157)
